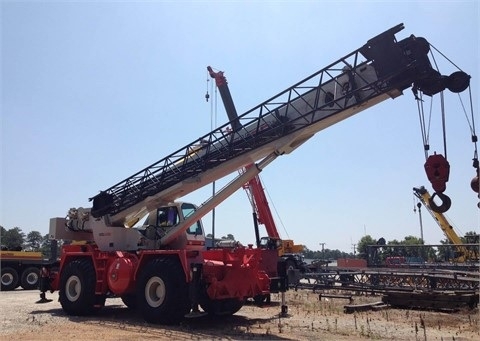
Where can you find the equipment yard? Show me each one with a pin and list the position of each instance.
(308, 319)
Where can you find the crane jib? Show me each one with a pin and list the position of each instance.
(380, 69)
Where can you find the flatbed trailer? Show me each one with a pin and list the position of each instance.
(22, 268)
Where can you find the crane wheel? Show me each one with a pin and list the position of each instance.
(130, 300)
(77, 288)
(163, 292)
(9, 279)
(30, 278)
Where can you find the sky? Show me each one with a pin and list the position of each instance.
(92, 92)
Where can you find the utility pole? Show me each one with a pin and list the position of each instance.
(323, 250)
(419, 205)
(354, 250)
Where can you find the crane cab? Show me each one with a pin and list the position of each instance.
(162, 220)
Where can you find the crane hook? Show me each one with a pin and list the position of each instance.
(444, 207)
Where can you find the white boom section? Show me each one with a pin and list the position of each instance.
(283, 145)
(215, 200)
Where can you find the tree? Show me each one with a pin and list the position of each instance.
(447, 252)
(13, 239)
(362, 246)
(471, 237)
(2, 234)
(46, 247)
(327, 254)
(412, 251)
(34, 240)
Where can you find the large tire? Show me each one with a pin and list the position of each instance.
(130, 300)
(30, 278)
(162, 292)
(9, 279)
(290, 264)
(224, 307)
(77, 288)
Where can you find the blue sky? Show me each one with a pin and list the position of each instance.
(94, 91)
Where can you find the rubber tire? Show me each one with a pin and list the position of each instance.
(224, 307)
(130, 300)
(30, 278)
(166, 273)
(12, 275)
(77, 288)
(261, 299)
(290, 263)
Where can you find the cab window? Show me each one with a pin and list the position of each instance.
(188, 210)
(167, 216)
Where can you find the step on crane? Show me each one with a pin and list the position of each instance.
(162, 267)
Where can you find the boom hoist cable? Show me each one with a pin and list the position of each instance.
(474, 183)
(436, 165)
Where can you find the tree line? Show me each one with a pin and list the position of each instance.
(15, 239)
(410, 247)
(368, 247)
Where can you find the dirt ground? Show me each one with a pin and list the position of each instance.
(308, 319)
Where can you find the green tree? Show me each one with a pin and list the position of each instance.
(471, 237)
(413, 251)
(46, 246)
(2, 234)
(327, 254)
(446, 252)
(13, 239)
(34, 240)
(362, 246)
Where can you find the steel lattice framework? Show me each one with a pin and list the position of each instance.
(306, 106)
(380, 280)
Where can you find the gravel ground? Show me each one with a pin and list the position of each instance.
(309, 319)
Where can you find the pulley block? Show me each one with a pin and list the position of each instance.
(458, 81)
(444, 206)
(474, 184)
(438, 171)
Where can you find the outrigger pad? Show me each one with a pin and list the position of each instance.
(43, 299)
(196, 314)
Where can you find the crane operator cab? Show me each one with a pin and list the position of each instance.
(162, 220)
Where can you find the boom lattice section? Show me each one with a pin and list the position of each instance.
(333, 93)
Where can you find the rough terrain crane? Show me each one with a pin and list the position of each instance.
(162, 267)
(463, 252)
(288, 251)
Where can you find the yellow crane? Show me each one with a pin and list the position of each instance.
(463, 253)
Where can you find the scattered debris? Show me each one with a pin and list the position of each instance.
(351, 308)
(323, 295)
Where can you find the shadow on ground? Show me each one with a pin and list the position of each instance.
(233, 327)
